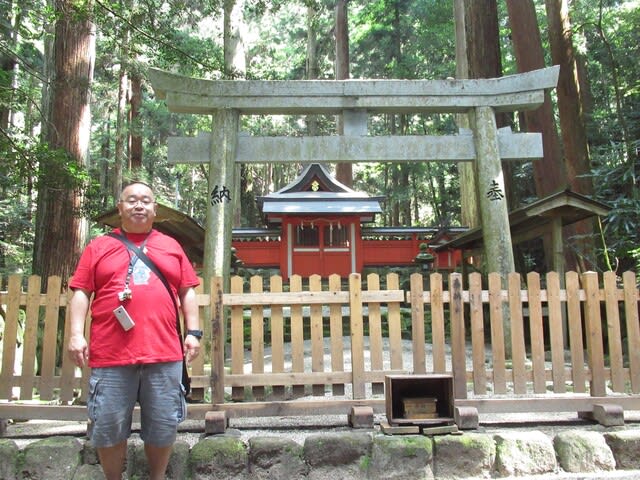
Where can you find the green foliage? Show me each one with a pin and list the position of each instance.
(16, 237)
(388, 39)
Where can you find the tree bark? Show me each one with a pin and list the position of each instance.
(60, 230)
(121, 130)
(235, 67)
(235, 63)
(573, 131)
(572, 126)
(344, 171)
(135, 139)
(484, 59)
(312, 62)
(7, 64)
(549, 174)
(470, 215)
(483, 49)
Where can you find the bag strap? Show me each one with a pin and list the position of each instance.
(152, 266)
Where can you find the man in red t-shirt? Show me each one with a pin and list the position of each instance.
(136, 355)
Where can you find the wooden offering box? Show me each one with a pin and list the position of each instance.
(419, 399)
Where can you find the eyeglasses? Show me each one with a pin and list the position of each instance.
(132, 201)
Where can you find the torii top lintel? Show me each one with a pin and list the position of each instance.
(510, 93)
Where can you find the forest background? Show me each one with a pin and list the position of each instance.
(78, 116)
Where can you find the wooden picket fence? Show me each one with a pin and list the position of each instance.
(528, 344)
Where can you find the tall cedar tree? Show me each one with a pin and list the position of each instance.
(235, 67)
(549, 174)
(60, 232)
(484, 59)
(572, 124)
(7, 65)
(344, 171)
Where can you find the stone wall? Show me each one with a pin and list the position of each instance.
(349, 455)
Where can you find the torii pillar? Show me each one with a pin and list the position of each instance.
(494, 211)
(221, 203)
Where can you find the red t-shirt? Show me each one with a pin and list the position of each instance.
(102, 269)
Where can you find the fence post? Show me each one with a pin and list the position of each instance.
(438, 329)
(633, 328)
(10, 335)
(357, 333)
(417, 324)
(496, 318)
(614, 332)
(49, 339)
(574, 315)
(593, 323)
(31, 338)
(458, 344)
(476, 320)
(217, 340)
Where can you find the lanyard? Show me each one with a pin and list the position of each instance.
(126, 293)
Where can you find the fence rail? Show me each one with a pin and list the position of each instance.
(556, 343)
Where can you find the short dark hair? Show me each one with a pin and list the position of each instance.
(135, 182)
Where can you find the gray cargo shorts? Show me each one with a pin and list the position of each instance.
(114, 391)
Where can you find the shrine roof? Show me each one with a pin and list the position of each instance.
(534, 219)
(315, 191)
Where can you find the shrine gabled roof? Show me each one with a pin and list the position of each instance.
(315, 191)
(529, 221)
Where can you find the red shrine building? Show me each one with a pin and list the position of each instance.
(317, 225)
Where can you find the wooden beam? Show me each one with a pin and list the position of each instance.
(297, 408)
(549, 403)
(455, 148)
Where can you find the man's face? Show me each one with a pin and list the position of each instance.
(137, 208)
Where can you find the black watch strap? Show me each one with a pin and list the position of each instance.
(195, 333)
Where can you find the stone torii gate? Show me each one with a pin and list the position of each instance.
(484, 144)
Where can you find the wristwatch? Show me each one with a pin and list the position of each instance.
(195, 333)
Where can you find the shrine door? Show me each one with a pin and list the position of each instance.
(322, 248)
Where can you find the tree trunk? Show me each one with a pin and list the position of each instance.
(483, 49)
(234, 55)
(312, 62)
(470, 214)
(344, 171)
(135, 138)
(549, 174)
(483, 54)
(121, 130)
(235, 67)
(7, 62)
(572, 126)
(60, 231)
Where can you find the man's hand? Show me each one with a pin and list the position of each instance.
(78, 350)
(191, 348)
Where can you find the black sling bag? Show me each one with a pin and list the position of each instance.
(186, 380)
